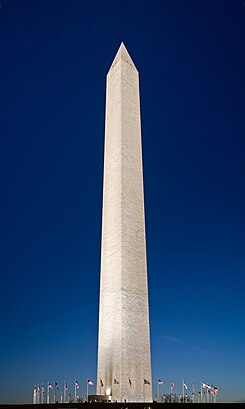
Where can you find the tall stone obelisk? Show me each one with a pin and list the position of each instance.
(124, 362)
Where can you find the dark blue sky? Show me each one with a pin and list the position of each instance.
(54, 56)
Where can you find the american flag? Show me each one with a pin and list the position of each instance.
(116, 382)
(90, 382)
(160, 382)
(146, 382)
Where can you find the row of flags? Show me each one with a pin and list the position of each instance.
(206, 391)
(65, 397)
(39, 391)
(116, 382)
(184, 385)
(56, 386)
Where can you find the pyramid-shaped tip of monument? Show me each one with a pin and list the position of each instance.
(122, 54)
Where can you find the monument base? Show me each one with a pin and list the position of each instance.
(99, 398)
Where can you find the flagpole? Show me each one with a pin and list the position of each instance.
(47, 393)
(158, 387)
(183, 393)
(87, 390)
(75, 391)
(201, 392)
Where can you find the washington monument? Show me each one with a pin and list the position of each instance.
(124, 361)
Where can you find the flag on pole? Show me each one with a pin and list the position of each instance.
(205, 386)
(42, 389)
(130, 382)
(76, 384)
(34, 396)
(146, 382)
(56, 386)
(116, 382)
(185, 386)
(66, 386)
(50, 386)
(101, 383)
(90, 382)
(160, 382)
(172, 385)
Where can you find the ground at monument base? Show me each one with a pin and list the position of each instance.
(114, 405)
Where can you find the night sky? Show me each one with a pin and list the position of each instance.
(54, 56)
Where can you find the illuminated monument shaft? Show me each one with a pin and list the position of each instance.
(124, 340)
